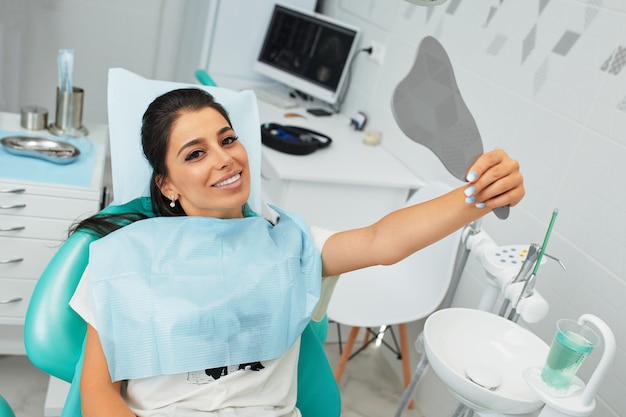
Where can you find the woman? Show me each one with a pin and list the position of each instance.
(201, 176)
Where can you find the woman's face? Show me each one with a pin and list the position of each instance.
(208, 171)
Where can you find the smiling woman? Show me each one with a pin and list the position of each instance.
(206, 310)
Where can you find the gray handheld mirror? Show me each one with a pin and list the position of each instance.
(430, 110)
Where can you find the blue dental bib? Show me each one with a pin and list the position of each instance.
(180, 294)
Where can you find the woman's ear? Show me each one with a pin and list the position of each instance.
(165, 186)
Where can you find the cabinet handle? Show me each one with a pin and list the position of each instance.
(13, 206)
(12, 190)
(11, 261)
(12, 228)
(11, 300)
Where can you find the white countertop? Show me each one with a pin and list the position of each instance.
(347, 160)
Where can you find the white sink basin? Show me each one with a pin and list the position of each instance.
(468, 348)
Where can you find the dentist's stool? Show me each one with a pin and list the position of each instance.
(397, 294)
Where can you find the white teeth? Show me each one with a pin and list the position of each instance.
(228, 181)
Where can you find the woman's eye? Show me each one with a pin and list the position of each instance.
(230, 139)
(193, 155)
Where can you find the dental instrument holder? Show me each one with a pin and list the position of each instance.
(504, 267)
(582, 402)
(68, 119)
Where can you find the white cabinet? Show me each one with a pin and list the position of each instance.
(347, 185)
(35, 216)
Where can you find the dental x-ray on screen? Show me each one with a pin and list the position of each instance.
(308, 52)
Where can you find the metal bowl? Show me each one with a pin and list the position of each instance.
(51, 150)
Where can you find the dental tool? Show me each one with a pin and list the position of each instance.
(531, 258)
(529, 286)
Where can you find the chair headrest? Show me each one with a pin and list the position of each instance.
(129, 95)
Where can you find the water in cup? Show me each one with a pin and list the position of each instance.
(572, 343)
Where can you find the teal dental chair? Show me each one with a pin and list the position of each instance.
(204, 78)
(54, 334)
(5, 408)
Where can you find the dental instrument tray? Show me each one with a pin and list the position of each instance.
(56, 151)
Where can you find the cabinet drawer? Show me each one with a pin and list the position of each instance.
(25, 258)
(14, 298)
(33, 227)
(18, 204)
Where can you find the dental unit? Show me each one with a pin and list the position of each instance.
(487, 361)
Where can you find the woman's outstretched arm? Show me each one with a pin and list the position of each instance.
(99, 396)
(498, 182)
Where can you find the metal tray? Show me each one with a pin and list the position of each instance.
(50, 150)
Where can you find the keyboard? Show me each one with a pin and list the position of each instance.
(275, 99)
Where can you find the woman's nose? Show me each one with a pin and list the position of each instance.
(223, 159)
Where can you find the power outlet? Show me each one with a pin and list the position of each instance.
(378, 52)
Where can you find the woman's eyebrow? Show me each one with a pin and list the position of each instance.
(194, 142)
(189, 144)
(224, 130)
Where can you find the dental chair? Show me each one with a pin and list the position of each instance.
(5, 408)
(54, 334)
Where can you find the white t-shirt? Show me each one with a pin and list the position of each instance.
(257, 389)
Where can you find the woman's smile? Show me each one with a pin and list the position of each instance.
(235, 178)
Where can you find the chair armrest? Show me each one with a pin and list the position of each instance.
(318, 393)
(53, 332)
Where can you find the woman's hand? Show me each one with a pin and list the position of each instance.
(495, 181)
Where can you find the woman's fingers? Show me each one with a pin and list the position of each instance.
(495, 181)
(511, 196)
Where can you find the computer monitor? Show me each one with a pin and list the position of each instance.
(307, 51)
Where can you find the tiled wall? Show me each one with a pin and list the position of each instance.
(544, 80)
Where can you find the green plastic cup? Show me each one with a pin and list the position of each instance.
(572, 343)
